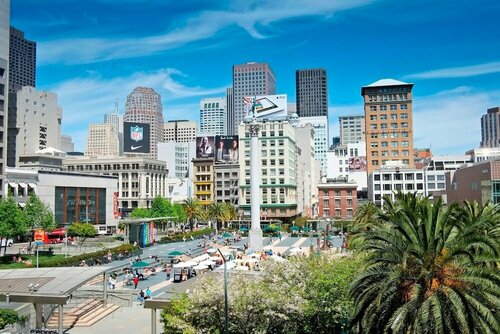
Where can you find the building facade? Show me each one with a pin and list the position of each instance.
(278, 183)
(180, 131)
(478, 182)
(227, 183)
(140, 180)
(388, 123)
(213, 116)
(337, 199)
(34, 123)
(348, 163)
(320, 127)
(72, 197)
(102, 141)
(67, 144)
(144, 106)
(483, 154)
(230, 111)
(490, 128)
(352, 129)
(250, 79)
(178, 156)
(312, 92)
(117, 120)
(204, 181)
(4, 83)
(22, 61)
(394, 177)
(435, 172)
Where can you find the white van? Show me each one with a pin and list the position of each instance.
(9, 242)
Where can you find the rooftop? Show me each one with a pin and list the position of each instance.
(387, 82)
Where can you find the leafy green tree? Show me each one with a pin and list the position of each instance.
(82, 230)
(38, 215)
(140, 213)
(194, 211)
(12, 220)
(178, 212)
(306, 295)
(430, 269)
(8, 317)
(161, 207)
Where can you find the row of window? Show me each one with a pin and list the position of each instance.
(385, 125)
(383, 135)
(399, 176)
(399, 186)
(394, 143)
(393, 117)
(376, 162)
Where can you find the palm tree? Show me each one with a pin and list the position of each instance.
(231, 212)
(218, 212)
(430, 269)
(193, 210)
(365, 219)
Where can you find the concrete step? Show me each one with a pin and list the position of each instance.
(98, 314)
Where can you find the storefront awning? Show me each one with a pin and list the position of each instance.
(22, 205)
(12, 184)
(24, 185)
(32, 185)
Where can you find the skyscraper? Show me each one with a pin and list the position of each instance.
(117, 120)
(229, 110)
(102, 141)
(144, 106)
(490, 128)
(388, 123)
(4, 81)
(250, 79)
(34, 123)
(179, 131)
(352, 129)
(312, 92)
(213, 116)
(22, 61)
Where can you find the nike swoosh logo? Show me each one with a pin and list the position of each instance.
(133, 148)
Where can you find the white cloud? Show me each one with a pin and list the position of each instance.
(249, 15)
(86, 100)
(450, 121)
(458, 72)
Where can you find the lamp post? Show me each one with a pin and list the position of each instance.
(226, 315)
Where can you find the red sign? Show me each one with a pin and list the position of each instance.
(115, 205)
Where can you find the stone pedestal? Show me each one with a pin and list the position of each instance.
(255, 240)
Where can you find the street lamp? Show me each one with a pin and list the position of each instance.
(225, 294)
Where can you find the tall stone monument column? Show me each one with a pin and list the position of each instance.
(255, 233)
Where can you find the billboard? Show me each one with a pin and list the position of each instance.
(266, 106)
(205, 147)
(357, 164)
(136, 137)
(226, 149)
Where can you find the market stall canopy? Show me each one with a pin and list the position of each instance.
(176, 253)
(140, 264)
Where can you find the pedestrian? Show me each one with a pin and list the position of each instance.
(168, 270)
(280, 236)
(141, 297)
(110, 257)
(148, 294)
(136, 282)
(184, 239)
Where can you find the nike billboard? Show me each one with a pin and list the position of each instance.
(136, 137)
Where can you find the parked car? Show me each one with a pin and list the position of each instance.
(9, 242)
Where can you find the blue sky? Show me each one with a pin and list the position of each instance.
(96, 51)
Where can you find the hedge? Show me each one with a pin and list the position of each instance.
(89, 258)
(188, 235)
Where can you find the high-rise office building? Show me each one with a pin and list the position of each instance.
(250, 79)
(4, 84)
(22, 61)
(312, 92)
(320, 127)
(490, 128)
(388, 123)
(213, 116)
(102, 141)
(117, 120)
(229, 111)
(179, 131)
(144, 106)
(34, 123)
(67, 144)
(352, 129)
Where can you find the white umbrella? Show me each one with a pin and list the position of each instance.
(208, 263)
(212, 250)
(200, 267)
(215, 258)
(190, 263)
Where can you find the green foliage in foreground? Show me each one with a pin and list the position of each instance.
(431, 269)
(84, 230)
(307, 295)
(8, 317)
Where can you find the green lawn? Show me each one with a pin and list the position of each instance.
(41, 259)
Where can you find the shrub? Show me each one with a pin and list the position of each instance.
(187, 235)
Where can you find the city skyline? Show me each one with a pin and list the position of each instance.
(100, 51)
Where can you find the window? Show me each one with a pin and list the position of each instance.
(394, 135)
(394, 143)
(430, 178)
(374, 154)
(373, 117)
(383, 108)
(394, 125)
(373, 126)
(404, 143)
(440, 177)
(375, 163)
(404, 115)
(374, 144)
(384, 144)
(373, 135)
(403, 106)
(383, 117)
(394, 116)
(404, 124)
(384, 135)
(373, 108)
(404, 134)
(383, 126)
(385, 154)
(394, 107)
(394, 153)
(405, 153)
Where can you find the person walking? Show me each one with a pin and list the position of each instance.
(148, 293)
(141, 297)
(136, 282)
(168, 270)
